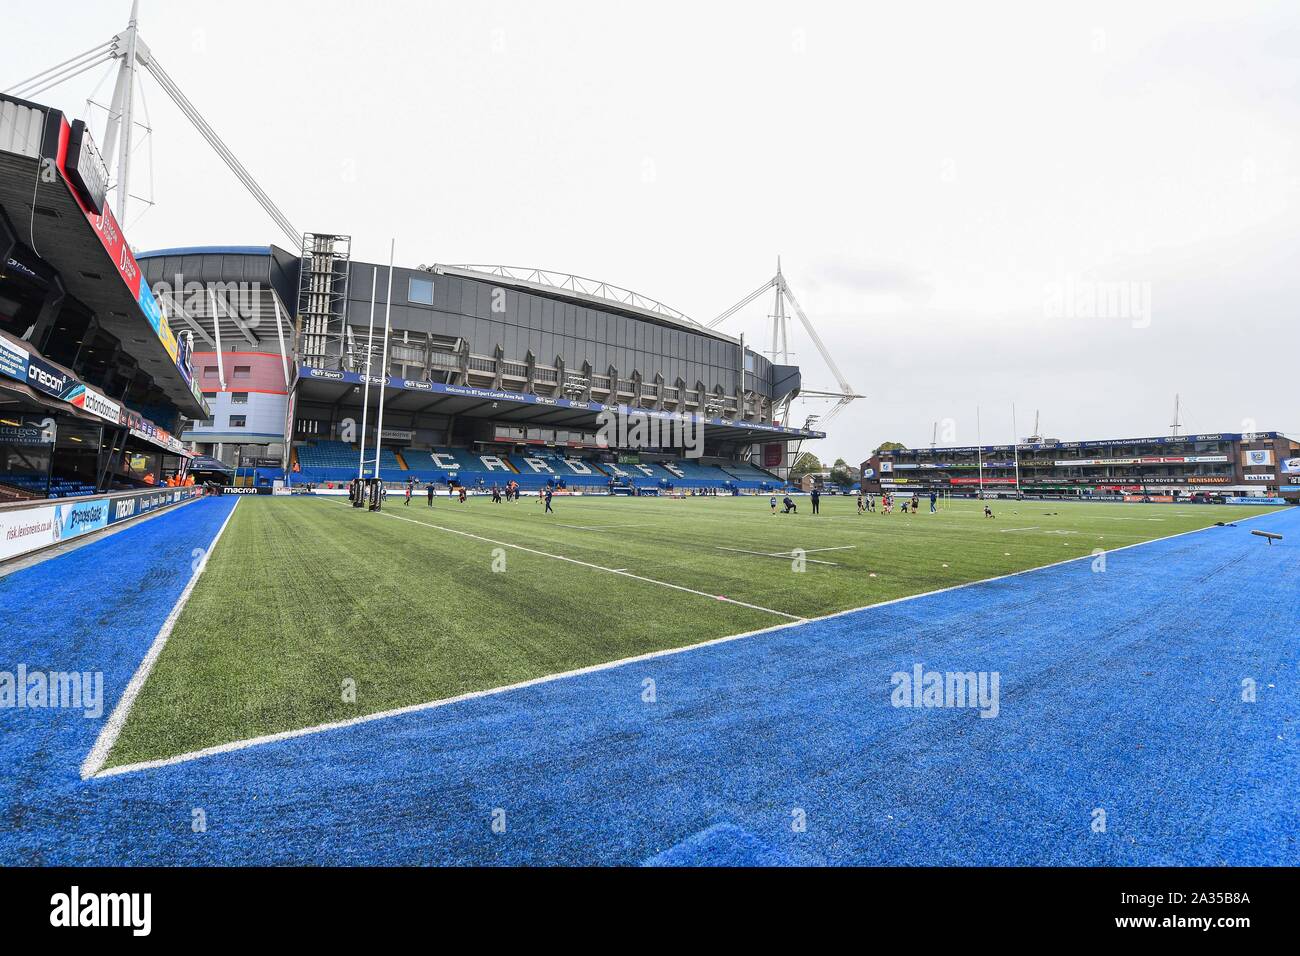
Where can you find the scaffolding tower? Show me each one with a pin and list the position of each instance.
(323, 300)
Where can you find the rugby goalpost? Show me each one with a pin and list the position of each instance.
(376, 483)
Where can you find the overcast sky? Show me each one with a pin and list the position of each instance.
(1082, 209)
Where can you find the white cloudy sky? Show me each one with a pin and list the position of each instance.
(934, 177)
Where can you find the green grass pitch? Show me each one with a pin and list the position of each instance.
(302, 595)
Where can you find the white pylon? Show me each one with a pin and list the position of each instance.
(781, 346)
(132, 53)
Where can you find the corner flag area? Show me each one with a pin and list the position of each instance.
(660, 682)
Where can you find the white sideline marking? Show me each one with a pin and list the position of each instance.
(784, 555)
(117, 719)
(596, 567)
(601, 527)
(237, 745)
(1126, 518)
(1033, 527)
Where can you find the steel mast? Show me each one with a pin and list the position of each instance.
(131, 53)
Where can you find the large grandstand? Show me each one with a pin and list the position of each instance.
(332, 462)
(1258, 466)
(491, 370)
(94, 383)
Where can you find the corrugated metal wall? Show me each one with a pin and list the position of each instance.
(21, 128)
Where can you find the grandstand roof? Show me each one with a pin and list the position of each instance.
(207, 251)
(1095, 443)
(69, 240)
(582, 291)
(418, 396)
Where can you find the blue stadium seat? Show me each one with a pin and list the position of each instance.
(334, 461)
(693, 474)
(59, 487)
(751, 477)
(537, 467)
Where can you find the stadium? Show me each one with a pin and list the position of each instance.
(492, 374)
(1249, 467)
(265, 605)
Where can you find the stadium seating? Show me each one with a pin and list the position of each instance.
(327, 454)
(59, 487)
(538, 467)
(644, 475)
(326, 461)
(752, 477)
(693, 474)
(459, 464)
(333, 461)
(388, 462)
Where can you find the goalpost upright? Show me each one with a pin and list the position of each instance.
(383, 370)
(365, 391)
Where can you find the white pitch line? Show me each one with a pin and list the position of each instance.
(783, 555)
(238, 745)
(1032, 527)
(601, 527)
(595, 567)
(1124, 518)
(117, 719)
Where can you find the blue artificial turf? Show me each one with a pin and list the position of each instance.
(1120, 691)
(723, 844)
(95, 609)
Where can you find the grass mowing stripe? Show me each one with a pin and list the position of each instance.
(898, 553)
(594, 567)
(303, 596)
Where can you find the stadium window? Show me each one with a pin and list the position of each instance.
(420, 291)
(210, 396)
(243, 371)
(239, 398)
(238, 421)
(209, 371)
